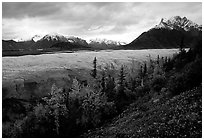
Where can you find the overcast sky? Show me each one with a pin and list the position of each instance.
(115, 21)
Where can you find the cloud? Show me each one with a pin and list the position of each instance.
(29, 9)
(121, 21)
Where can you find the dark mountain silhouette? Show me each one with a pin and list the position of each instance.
(68, 46)
(168, 34)
(11, 45)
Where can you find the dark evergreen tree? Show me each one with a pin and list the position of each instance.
(141, 75)
(132, 84)
(110, 88)
(162, 61)
(121, 100)
(145, 70)
(121, 82)
(158, 59)
(94, 71)
(151, 66)
(103, 84)
(169, 59)
(165, 60)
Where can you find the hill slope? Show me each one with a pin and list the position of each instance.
(180, 116)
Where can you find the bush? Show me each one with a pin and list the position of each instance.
(56, 106)
(193, 73)
(95, 109)
(158, 82)
(10, 130)
(45, 119)
(142, 90)
(189, 78)
(176, 83)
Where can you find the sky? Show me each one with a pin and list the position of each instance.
(123, 21)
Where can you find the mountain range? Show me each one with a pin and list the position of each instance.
(169, 33)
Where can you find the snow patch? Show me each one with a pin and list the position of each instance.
(177, 22)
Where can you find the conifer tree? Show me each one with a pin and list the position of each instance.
(103, 82)
(145, 69)
(94, 71)
(165, 60)
(158, 59)
(110, 88)
(141, 75)
(121, 82)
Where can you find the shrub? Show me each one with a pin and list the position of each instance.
(193, 73)
(56, 105)
(142, 90)
(158, 82)
(176, 83)
(45, 119)
(95, 107)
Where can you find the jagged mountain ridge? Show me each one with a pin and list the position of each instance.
(178, 23)
(49, 40)
(168, 34)
(42, 42)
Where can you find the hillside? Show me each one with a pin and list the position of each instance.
(180, 116)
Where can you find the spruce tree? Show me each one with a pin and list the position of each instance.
(141, 75)
(103, 82)
(166, 60)
(145, 69)
(94, 71)
(121, 83)
(110, 88)
(158, 59)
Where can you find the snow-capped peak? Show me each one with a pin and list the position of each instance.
(106, 41)
(163, 24)
(18, 39)
(177, 22)
(54, 37)
(36, 38)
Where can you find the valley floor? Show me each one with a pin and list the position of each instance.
(59, 66)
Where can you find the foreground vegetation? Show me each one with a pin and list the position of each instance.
(96, 101)
(179, 117)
